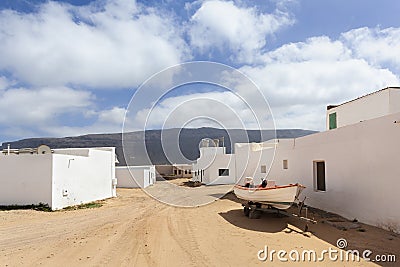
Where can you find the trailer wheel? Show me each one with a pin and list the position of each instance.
(246, 211)
(254, 214)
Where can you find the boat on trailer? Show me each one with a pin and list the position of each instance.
(271, 197)
(268, 193)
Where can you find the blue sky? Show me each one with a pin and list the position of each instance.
(71, 67)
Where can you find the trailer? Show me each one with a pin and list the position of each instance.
(253, 210)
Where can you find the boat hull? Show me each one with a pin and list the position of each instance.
(280, 197)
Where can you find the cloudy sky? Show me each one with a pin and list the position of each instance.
(71, 67)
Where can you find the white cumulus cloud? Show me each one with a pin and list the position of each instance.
(35, 111)
(243, 31)
(300, 79)
(378, 46)
(116, 44)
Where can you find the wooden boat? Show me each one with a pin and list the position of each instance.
(276, 196)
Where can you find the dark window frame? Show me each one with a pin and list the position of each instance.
(223, 172)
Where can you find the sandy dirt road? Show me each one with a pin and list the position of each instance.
(136, 230)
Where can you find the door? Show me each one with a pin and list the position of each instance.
(319, 174)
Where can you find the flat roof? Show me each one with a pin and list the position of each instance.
(386, 88)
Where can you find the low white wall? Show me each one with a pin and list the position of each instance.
(135, 176)
(362, 169)
(82, 179)
(25, 179)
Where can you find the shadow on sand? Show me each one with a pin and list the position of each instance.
(268, 222)
(329, 228)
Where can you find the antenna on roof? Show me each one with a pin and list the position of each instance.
(43, 149)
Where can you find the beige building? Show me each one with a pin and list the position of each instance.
(182, 170)
(174, 171)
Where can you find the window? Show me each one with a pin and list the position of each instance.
(185, 171)
(285, 164)
(263, 168)
(176, 172)
(223, 172)
(190, 172)
(180, 172)
(319, 176)
(332, 121)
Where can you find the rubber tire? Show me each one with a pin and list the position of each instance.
(254, 214)
(246, 211)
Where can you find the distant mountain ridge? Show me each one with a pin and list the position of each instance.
(189, 140)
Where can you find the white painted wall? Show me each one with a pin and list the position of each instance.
(211, 160)
(135, 176)
(66, 177)
(362, 169)
(380, 103)
(394, 100)
(25, 179)
(81, 179)
(250, 157)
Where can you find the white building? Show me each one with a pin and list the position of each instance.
(214, 166)
(353, 169)
(135, 176)
(59, 178)
(254, 160)
(374, 105)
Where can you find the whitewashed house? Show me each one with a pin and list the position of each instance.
(377, 104)
(214, 166)
(352, 169)
(59, 177)
(254, 160)
(135, 176)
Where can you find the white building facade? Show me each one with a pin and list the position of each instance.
(377, 104)
(135, 176)
(215, 166)
(254, 160)
(353, 169)
(61, 178)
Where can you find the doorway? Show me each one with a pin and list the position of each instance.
(319, 176)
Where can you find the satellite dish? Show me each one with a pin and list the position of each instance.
(43, 149)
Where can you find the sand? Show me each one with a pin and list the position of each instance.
(136, 230)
